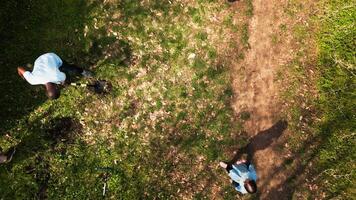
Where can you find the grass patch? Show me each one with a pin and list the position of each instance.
(245, 36)
(337, 100)
(249, 10)
(166, 123)
(324, 122)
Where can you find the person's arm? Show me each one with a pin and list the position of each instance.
(240, 162)
(252, 172)
(30, 78)
(246, 162)
(21, 71)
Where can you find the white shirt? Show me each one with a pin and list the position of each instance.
(46, 70)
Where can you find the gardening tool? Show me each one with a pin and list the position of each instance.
(98, 86)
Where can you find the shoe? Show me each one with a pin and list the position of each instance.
(87, 74)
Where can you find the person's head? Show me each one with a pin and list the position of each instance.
(52, 91)
(250, 186)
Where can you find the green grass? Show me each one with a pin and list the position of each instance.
(249, 11)
(324, 137)
(245, 36)
(337, 101)
(166, 123)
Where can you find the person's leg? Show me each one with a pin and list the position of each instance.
(235, 184)
(228, 168)
(70, 68)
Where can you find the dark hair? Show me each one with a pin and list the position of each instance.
(52, 91)
(250, 186)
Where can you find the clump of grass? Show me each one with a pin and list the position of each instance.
(245, 36)
(249, 11)
(245, 115)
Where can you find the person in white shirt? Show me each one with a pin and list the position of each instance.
(50, 70)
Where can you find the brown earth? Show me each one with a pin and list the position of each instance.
(257, 90)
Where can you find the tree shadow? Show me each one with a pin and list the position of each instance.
(261, 141)
(30, 157)
(29, 29)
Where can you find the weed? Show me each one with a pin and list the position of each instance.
(249, 11)
(245, 36)
(275, 39)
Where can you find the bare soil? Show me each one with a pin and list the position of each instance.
(257, 90)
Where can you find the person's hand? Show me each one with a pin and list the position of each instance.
(21, 71)
(223, 165)
(240, 162)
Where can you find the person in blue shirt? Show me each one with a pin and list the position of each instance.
(50, 70)
(243, 176)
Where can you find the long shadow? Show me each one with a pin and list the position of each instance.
(287, 188)
(261, 141)
(301, 159)
(305, 166)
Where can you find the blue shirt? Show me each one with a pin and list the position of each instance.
(46, 70)
(239, 173)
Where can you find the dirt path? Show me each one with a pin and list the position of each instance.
(257, 92)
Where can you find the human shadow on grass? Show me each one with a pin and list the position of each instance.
(301, 165)
(285, 190)
(261, 141)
